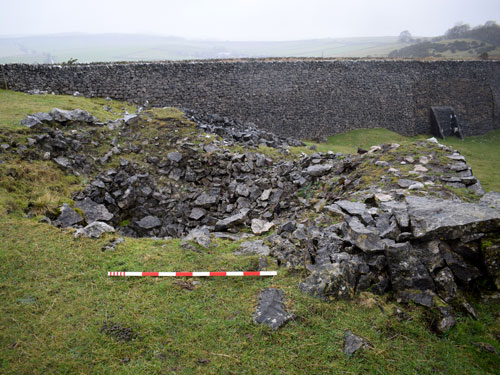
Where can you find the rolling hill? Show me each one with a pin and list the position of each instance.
(128, 47)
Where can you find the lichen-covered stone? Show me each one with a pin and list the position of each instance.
(337, 281)
(271, 310)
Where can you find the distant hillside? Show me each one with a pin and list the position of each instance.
(125, 47)
(458, 42)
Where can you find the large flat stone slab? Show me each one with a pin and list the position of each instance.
(437, 218)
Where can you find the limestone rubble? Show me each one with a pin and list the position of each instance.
(380, 221)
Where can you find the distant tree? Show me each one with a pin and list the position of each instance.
(484, 56)
(457, 31)
(71, 61)
(490, 23)
(405, 37)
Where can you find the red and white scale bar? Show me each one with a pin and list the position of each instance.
(195, 274)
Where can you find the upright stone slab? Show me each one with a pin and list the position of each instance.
(444, 123)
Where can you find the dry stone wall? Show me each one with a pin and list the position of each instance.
(301, 98)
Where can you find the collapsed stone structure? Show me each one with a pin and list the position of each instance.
(383, 221)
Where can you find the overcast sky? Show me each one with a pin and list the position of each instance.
(244, 19)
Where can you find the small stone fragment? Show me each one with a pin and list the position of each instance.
(253, 247)
(231, 221)
(318, 170)
(197, 213)
(68, 217)
(94, 230)
(353, 343)
(174, 156)
(201, 236)
(261, 226)
(149, 222)
(271, 309)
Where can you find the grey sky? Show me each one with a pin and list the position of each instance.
(244, 19)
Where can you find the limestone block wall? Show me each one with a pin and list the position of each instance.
(301, 98)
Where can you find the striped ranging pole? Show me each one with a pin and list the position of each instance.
(194, 274)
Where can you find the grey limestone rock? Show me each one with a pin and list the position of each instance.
(421, 297)
(462, 270)
(352, 208)
(445, 284)
(353, 343)
(205, 200)
(36, 119)
(175, 156)
(30, 121)
(130, 119)
(68, 216)
(81, 116)
(149, 222)
(399, 210)
(261, 226)
(406, 269)
(60, 115)
(387, 226)
(429, 254)
(445, 320)
(94, 230)
(201, 236)
(257, 247)
(232, 220)
(476, 188)
(271, 310)
(366, 239)
(197, 213)
(356, 209)
(62, 161)
(405, 183)
(332, 282)
(318, 170)
(491, 255)
(436, 218)
(491, 199)
(93, 211)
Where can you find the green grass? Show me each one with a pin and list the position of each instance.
(55, 296)
(36, 184)
(14, 106)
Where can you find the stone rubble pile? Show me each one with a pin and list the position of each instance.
(222, 191)
(236, 131)
(399, 231)
(426, 250)
(59, 116)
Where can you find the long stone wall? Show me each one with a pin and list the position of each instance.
(301, 98)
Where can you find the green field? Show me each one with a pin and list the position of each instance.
(123, 47)
(56, 300)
